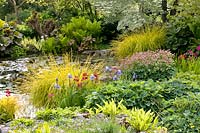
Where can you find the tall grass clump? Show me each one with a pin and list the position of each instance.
(148, 39)
(190, 64)
(63, 85)
(8, 107)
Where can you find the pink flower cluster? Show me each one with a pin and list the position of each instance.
(150, 57)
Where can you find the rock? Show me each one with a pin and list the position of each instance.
(83, 115)
(4, 129)
(2, 86)
(101, 53)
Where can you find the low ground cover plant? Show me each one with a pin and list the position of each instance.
(141, 94)
(182, 114)
(59, 120)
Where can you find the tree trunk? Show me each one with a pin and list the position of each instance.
(15, 7)
(164, 8)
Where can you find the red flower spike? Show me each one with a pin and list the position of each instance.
(96, 76)
(84, 78)
(7, 92)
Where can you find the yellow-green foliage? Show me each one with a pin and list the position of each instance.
(41, 85)
(27, 42)
(148, 39)
(2, 23)
(191, 64)
(111, 108)
(142, 121)
(8, 107)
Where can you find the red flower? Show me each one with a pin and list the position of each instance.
(96, 76)
(84, 76)
(7, 92)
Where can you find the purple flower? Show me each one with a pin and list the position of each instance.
(134, 76)
(108, 69)
(119, 72)
(69, 76)
(57, 86)
(115, 77)
(92, 77)
(198, 48)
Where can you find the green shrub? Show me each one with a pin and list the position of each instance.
(18, 51)
(149, 39)
(188, 78)
(182, 114)
(81, 34)
(183, 30)
(158, 65)
(8, 107)
(25, 30)
(52, 114)
(149, 95)
(22, 123)
(50, 45)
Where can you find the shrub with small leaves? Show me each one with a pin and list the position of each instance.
(156, 65)
(80, 34)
